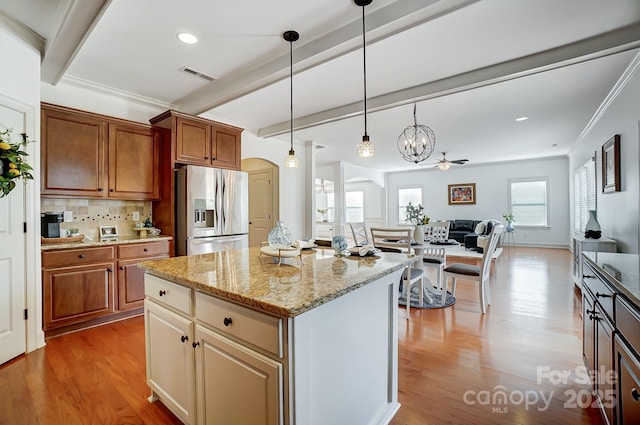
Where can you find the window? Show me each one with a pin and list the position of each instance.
(354, 202)
(529, 201)
(584, 194)
(330, 206)
(406, 195)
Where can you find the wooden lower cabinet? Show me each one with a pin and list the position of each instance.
(83, 286)
(77, 294)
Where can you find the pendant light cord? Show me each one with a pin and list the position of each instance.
(291, 91)
(364, 55)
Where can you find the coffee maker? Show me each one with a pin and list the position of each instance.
(50, 224)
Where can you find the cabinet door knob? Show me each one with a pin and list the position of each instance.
(111, 190)
(227, 321)
(184, 338)
(110, 270)
(146, 249)
(206, 157)
(195, 344)
(81, 256)
(121, 267)
(162, 292)
(588, 276)
(600, 295)
(100, 189)
(635, 394)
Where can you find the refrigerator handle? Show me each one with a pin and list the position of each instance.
(203, 216)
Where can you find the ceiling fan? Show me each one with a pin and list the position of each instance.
(444, 164)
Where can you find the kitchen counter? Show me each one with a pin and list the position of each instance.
(274, 337)
(97, 242)
(288, 290)
(623, 271)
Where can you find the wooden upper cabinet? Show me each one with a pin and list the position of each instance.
(73, 156)
(225, 147)
(134, 171)
(200, 141)
(193, 142)
(94, 156)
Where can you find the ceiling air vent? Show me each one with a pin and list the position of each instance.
(196, 73)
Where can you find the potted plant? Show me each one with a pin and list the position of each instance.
(12, 163)
(508, 217)
(322, 212)
(416, 216)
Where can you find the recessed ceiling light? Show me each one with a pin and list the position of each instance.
(187, 38)
(522, 118)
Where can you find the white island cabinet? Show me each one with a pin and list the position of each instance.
(276, 345)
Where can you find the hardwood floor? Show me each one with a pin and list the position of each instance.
(453, 361)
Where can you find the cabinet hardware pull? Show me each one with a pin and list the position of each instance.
(635, 394)
(121, 267)
(100, 190)
(110, 270)
(227, 321)
(146, 249)
(111, 190)
(184, 338)
(162, 292)
(195, 344)
(588, 276)
(599, 295)
(206, 157)
(81, 256)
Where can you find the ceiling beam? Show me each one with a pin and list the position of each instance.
(616, 41)
(76, 23)
(396, 17)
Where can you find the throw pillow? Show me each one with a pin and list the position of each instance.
(489, 227)
(479, 230)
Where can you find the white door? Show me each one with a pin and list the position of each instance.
(260, 205)
(12, 255)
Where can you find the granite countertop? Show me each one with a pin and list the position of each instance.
(285, 290)
(623, 270)
(97, 242)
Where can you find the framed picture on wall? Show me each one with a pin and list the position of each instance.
(611, 165)
(462, 193)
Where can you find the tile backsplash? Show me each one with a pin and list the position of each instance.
(88, 215)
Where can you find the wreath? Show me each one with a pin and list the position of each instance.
(12, 163)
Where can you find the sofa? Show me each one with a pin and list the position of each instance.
(460, 228)
(483, 229)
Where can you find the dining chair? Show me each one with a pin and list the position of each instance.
(479, 274)
(398, 239)
(436, 258)
(437, 231)
(359, 232)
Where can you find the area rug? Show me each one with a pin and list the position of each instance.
(449, 301)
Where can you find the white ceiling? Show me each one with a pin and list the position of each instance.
(471, 66)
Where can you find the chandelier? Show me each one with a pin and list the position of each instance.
(416, 142)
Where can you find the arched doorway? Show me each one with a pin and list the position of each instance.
(263, 197)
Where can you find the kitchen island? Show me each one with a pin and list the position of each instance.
(232, 337)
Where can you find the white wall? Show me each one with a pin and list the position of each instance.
(618, 212)
(492, 195)
(20, 83)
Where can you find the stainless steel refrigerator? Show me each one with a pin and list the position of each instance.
(212, 210)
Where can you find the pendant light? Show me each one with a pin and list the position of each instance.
(291, 161)
(416, 142)
(365, 148)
